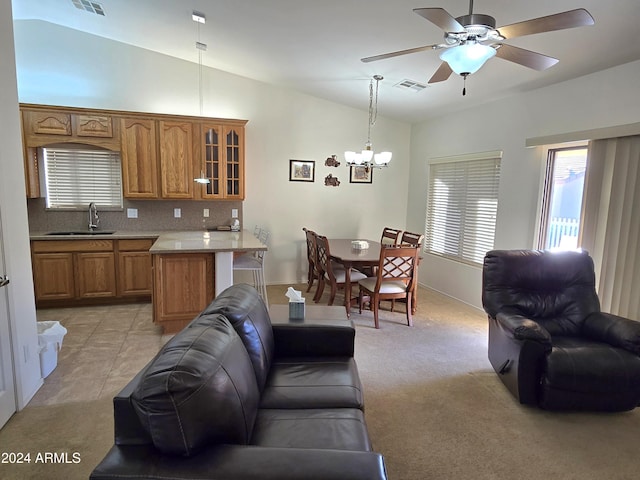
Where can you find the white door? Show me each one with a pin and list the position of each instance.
(7, 391)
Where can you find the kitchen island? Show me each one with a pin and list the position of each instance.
(190, 269)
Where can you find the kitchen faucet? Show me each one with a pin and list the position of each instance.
(93, 216)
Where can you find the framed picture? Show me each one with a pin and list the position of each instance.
(302, 170)
(361, 174)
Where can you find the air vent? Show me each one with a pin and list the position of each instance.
(411, 85)
(91, 7)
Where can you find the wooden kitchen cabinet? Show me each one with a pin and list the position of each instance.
(73, 269)
(182, 287)
(134, 267)
(139, 158)
(222, 160)
(53, 276)
(49, 125)
(95, 274)
(176, 159)
(160, 154)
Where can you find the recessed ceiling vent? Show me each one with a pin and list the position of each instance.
(91, 7)
(412, 85)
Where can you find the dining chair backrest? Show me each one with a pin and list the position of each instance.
(324, 257)
(264, 239)
(409, 238)
(397, 263)
(390, 236)
(312, 253)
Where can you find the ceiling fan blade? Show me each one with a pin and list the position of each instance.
(440, 18)
(527, 58)
(444, 72)
(400, 52)
(573, 18)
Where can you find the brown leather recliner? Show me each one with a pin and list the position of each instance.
(548, 340)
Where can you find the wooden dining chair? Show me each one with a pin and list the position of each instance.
(394, 279)
(330, 272)
(312, 257)
(390, 236)
(414, 239)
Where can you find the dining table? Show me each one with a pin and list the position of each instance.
(343, 252)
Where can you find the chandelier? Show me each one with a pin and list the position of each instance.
(367, 158)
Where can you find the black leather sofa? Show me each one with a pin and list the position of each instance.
(548, 340)
(232, 396)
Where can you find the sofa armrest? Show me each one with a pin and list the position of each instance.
(522, 328)
(231, 462)
(127, 427)
(616, 331)
(320, 338)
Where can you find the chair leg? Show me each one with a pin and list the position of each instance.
(360, 300)
(409, 316)
(376, 304)
(333, 295)
(319, 290)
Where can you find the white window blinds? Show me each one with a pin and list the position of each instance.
(76, 177)
(462, 205)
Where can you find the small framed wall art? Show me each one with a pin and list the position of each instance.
(302, 170)
(360, 174)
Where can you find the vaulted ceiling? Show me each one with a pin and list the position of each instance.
(315, 47)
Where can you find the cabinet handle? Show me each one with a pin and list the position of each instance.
(4, 281)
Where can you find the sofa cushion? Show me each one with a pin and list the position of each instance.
(199, 390)
(330, 382)
(245, 309)
(337, 428)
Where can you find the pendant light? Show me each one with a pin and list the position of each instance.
(199, 18)
(366, 157)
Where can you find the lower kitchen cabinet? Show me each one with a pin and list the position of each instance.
(91, 271)
(134, 267)
(182, 288)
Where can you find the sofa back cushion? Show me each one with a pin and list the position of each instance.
(199, 390)
(556, 289)
(243, 306)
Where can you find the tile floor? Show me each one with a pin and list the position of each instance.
(104, 348)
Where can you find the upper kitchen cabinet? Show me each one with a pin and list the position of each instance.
(45, 126)
(139, 158)
(176, 159)
(222, 161)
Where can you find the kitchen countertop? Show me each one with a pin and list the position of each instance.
(202, 242)
(116, 235)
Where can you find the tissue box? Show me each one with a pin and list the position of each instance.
(296, 310)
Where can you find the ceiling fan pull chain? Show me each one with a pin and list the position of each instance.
(464, 84)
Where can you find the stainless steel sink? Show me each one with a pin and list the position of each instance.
(78, 232)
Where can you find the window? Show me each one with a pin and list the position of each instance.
(462, 204)
(77, 176)
(562, 198)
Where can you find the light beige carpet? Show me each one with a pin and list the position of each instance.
(434, 407)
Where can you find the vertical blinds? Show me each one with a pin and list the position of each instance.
(462, 205)
(77, 177)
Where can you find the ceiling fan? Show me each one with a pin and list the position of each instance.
(470, 40)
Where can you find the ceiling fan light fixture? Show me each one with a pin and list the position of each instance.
(467, 58)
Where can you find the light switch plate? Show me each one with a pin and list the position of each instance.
(132, 213)
(234, 213)
(177, 212)
(205, 212)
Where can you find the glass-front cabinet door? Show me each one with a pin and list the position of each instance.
(223, 161)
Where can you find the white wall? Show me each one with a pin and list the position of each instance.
(60, 66)
(603, 99)
(15, 231)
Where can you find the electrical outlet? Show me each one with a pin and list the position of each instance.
(132, 213)
(234, 213)
(177, 212)
(205, 212)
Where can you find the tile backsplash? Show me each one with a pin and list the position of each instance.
(153, 215)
